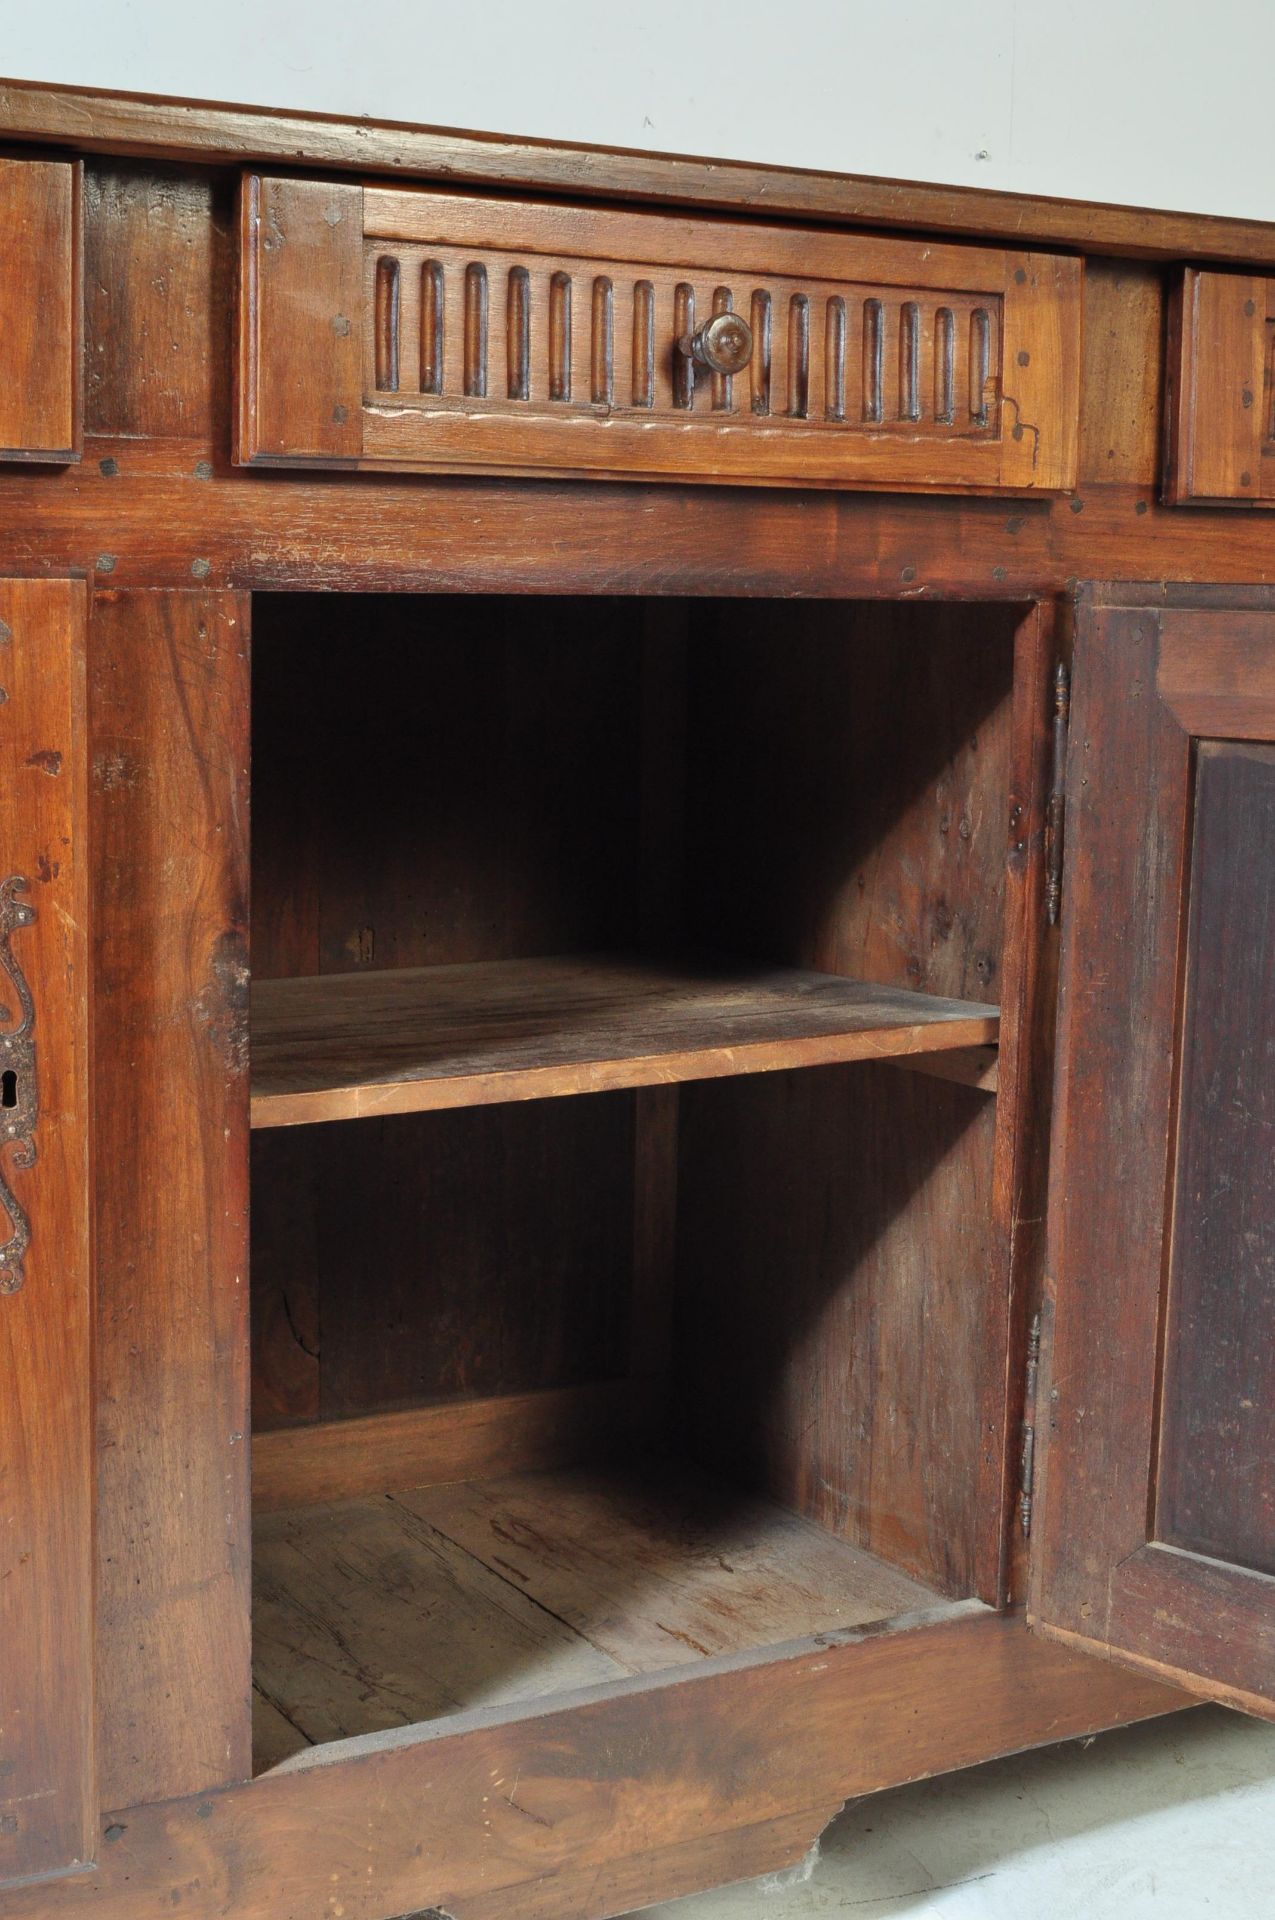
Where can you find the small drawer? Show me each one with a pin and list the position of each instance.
(41, 302)
(1220, 391)
(427, 331)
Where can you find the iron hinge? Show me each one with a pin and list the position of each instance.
(1027, 1459)
(19, 1090)
(1057, 807)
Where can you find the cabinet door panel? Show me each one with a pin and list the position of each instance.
(1216, 1487)
(1156, 1533)
(47, 1802)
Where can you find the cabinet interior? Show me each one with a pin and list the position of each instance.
(645, 1307)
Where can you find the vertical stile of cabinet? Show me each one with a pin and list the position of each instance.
(41, 303)
(321, 383)
(47, 1774)
(168, 696)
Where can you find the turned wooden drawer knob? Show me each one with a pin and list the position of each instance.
(724, 343)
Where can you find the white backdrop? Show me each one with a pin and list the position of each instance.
(1155, 102)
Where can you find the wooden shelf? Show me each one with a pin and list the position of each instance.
(402, 1608)
(351, 1045)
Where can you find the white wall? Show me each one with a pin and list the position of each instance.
(1155, 102)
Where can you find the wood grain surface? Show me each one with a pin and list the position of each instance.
(343, 1046)
(1218, 429)
(457, 1439)
(492, 1254)
(168, 707)
(388, 1612)
(159, 128)
(839, 1262)
(843, 1259)
(1215, 1492)
(160, 509)
(300, 328)
(48, 1774)
(41, 310)
(493, 807)
(1146, 1149)
(570, 1814)
(430, 331)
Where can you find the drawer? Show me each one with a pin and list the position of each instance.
(1220, 390)
(41, 303)
(430, 331)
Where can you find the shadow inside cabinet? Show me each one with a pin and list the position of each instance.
(628, 1287)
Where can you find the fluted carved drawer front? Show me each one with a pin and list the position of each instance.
(415, 329)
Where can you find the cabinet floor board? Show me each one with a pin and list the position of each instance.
(379, 1613)
(366, 1617)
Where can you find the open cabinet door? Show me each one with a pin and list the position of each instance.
(1154, 1539)
(47, 1796)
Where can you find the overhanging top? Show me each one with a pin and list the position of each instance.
(89, 120)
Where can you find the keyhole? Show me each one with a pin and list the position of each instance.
(8, 1088)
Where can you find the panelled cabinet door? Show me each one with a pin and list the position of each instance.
(1154, 1538)
(47, 1794)
(40, 310)
(437, 331)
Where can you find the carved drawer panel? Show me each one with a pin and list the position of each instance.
(425, 330)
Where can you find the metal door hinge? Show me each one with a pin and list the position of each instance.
(1057, 806)
(1027, 1460)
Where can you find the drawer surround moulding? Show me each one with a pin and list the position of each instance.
(424, 331)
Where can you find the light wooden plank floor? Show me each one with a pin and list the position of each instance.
(403, 1607)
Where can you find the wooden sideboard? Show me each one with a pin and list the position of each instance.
(637, 911)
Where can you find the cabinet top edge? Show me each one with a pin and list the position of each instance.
(93, 120)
